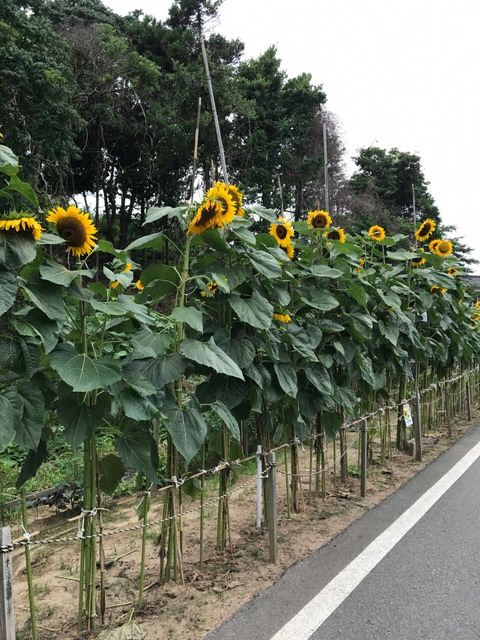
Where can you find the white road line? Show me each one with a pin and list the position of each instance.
(314, 614)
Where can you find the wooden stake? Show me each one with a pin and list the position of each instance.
(7, 618)
(363, 468)
(417, 427)
(272, 507)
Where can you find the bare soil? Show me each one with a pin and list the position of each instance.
(228, 579)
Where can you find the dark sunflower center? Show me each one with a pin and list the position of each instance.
(236, 200)
(334, 235)
(427, 227)
(319, 222)
(224, 204)
(208, 212)
(377, 233)
(417, 260)
(281, 232)
(72, 231)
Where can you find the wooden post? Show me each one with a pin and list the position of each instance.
(7, 618)
(259, 486)
(272, 507)
(447, 412)
(417, 427)
(363, 469)
(343, 456)
(469, 400)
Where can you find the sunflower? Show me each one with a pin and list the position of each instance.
(452, 271)
(319, 220)
(206, 216)
(220, 193)
(128, 267)
(416, 262)
(285, 318)
(76, 228)
(434, 244)
(444, 248)
(425, 230)
(139, 285)
(115, 284)
(20, 222)
(289, 250)
(438, 291)
(336, 234)
(477, 304)
(377, 233)
(212, 287)
(282, 232)
(237, 197)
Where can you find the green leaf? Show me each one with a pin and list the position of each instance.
(7, 157)
(208, 354)
(345, 397)
(246, 236)
(7, 422)
(390, 331)
(136, 406)
(79, 419)
(239, 349)
(331, 422)
(358, 293)
(224, 413)
(230, 391)
(190, 315)
(161, 280)
(48, 298)
(49, 239)
(323, 271)
(16, 249)
(8, 287)
(58, 274)
(135, 310)
(287, 377)
(105, 246)
(24, 189)
(162, 371)
(152, 241)
(157, 213)
(320, 300)
(187, 429)
(111, 470)
(265, 263)
(36, 325)
(151, 345)
(255, 311)
(81, 372)
(215, 240)
(137, 448)
(28, 429)
(32, 463)
(318, 377)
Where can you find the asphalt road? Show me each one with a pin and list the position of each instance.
(426, 586)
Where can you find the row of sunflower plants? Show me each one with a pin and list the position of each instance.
(294, 328)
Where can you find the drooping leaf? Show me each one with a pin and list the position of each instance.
(287, 377)
(8, 288)
(32, 463)
(240, 349)
(187, 429)
(152, 241)
(189, 315)
(358, 293)
(79, 419)
(161, 371)
(111, 470)
(265, 263)
(321, 300)
(81, 372)
(7, 422)
(209, 355)
(58, 274)
(48, 298)
(255, 311)
(224, 413)
(28, 429)
(137, 448)
(157, 213)
(16, 249)
(324, 271)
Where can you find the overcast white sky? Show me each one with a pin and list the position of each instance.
(397, 73)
